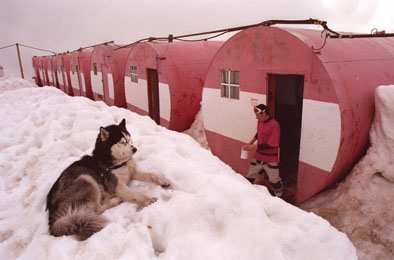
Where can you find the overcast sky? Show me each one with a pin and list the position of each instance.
(66, 25)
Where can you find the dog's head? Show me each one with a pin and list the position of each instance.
(114, 144)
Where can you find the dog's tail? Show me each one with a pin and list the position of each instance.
(80, 222)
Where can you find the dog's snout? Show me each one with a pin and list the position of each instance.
(134, 149)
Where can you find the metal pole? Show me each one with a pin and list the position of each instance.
(20, 61)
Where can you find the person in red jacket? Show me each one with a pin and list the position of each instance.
(267, 154)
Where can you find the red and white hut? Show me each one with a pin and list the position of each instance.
(67, 72)
(48, 70)
(37, 71)
(101, 73)
(80, 72)
(165, 80)
(58, 67)
(323, 99)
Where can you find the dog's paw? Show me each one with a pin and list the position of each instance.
(146, 202)
(162, 181)
(115, 201)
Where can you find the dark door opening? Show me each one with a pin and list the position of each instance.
(153, 95)
(285, 96)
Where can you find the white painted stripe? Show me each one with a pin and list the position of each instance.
(60, 77)
(74, 80)
(42, 75)
(321, 133)
(97, 83)
(137, 93)
(111, 86)
(230, 117)
(165, 101)
(82, 82)
(50, 76)
(321, 124)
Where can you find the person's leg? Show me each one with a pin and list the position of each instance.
(254, 168)
(272, 170)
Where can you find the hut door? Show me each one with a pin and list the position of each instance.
(104, 80)
(153, 95)
(285, 95)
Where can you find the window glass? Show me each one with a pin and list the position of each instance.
(133, 73)
(229, 84)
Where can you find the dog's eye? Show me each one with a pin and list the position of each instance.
(123, 141)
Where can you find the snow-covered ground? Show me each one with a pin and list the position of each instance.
(210, 213)
(362, 206)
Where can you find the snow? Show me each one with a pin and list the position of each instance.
(361, 205)
(210, 213)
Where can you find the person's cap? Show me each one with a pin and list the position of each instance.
(260, 108)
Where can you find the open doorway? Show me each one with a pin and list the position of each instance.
(153, 95)
(284, 99)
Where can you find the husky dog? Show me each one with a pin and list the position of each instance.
(95, 183)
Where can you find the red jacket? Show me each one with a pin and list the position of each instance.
(268, 136)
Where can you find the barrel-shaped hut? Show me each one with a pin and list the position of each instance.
(37, 71)
(322, 99)
(80, 64)
(101, 73)
(59, 70)
(48, 72)
(165, 80)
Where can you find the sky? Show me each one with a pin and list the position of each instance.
(210, 212)
(68, 25)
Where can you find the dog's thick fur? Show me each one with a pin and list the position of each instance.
(95, 183)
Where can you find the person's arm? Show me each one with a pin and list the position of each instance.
(254, 139)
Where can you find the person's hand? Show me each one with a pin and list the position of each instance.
(248, 147)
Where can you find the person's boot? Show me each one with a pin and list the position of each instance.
(251, 180)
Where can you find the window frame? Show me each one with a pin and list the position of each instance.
(227, 87)
(133, 73)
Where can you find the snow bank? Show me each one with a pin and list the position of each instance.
(211, 213)
(361, 206)
(11, 83)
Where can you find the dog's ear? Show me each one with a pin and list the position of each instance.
(104, 134)
(122, 124)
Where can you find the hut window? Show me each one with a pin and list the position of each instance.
(229, 84)
(133, 73)
(95, 68)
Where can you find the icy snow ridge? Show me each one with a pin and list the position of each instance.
(211, 213)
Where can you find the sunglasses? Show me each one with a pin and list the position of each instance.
(258, 110)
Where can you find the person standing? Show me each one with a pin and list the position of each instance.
(267, 154)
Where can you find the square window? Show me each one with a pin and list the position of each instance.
(229, 84)
(133, 73)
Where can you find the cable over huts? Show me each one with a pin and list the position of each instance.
(323, 99)
(80, 64)
(164, 80)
